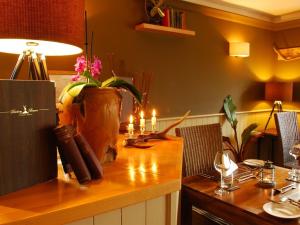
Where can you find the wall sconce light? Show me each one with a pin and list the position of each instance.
(239, 49)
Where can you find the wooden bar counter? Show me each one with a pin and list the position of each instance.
(137, 182)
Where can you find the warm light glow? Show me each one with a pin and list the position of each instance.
(131, 173)
(287, 71)
(154, 168)
(48, 48)
(130, 119)
(142, 171)
(239, 49)
(142, 168)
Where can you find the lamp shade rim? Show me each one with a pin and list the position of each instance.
(48, 48)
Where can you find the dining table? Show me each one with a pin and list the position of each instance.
(243, 206)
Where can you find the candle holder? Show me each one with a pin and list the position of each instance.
(142, 123)
(267, 175)
(139, 141)
(153, 121)
(130, 130)
(142, 129)
(130, 127)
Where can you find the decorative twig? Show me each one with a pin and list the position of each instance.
(159, 135)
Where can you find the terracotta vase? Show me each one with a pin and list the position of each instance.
(96, 114)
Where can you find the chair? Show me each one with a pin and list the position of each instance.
(288, 133)
(201, 144)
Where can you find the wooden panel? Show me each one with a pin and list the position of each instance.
(134, 214)
(109, 218)
(244, 119)
(172, 204)
(156, 211)
(87, 221)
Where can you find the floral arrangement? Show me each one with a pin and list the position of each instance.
(88, 74)
(82, 65)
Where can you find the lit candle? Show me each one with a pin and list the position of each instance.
(142, 122)
(130, 127)
(153, 121)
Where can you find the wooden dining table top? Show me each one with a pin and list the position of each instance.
(242, 206)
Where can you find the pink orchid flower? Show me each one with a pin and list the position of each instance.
(96, 67)
(75, 77)
(80, 65)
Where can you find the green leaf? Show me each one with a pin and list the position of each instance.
(107, 82)
(67, 88)
(90, 78)
(119, 83)
(247, 133)
(74, 89)
(230, 111)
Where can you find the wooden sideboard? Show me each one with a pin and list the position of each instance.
(140, 187)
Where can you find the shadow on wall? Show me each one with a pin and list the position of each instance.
(253, 93)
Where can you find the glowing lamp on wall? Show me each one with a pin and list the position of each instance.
(39, 28)
(239, 49)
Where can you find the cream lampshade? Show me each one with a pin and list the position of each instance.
(239, 49)
(36, 28)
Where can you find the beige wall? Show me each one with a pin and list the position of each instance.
(190, 73)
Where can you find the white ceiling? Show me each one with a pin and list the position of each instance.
(273, 7)
(268, 10)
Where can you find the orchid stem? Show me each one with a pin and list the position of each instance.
(86, 36)
(92, 43)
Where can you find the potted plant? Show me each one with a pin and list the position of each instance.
(237, 150)
(93, 107)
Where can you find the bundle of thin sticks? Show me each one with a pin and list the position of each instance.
(142, 81)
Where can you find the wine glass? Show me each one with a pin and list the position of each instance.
(295, 152)
(222, 164)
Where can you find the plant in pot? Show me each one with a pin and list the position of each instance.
(237, 150)
(93, 107)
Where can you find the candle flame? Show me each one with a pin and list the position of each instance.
(142, 114)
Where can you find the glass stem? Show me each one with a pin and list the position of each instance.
(222, 180)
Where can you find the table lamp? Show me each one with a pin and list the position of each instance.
(39, 28)
(278, 92)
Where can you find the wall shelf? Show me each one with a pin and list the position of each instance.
(163, 29)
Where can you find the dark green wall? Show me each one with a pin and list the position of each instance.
(193, 73)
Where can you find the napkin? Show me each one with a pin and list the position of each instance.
(228, 163)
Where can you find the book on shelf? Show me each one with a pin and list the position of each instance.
(166, 19)
(174, 18)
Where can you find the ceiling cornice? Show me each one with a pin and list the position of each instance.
(238, 14)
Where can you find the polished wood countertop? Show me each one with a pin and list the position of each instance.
(136, 175)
